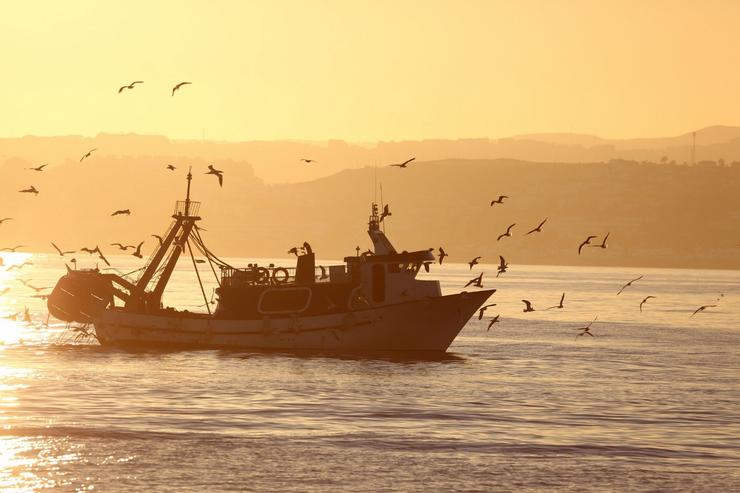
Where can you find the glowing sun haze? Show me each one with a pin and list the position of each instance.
(366, 71)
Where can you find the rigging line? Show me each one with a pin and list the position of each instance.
(211, 254)
(195, 266)
(210, 262)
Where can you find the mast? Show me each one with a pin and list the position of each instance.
(174, 244)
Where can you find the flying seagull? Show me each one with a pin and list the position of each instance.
(493, 321)
(644, 301)
(528, 307)
(122, 212)
(502, 266)
(137, 253)
(159, 238)
(587, 241)
(30, 189)
(122, 247)
(5, 219)
(538, 229)
(483, 309)
(499, 200)
(386, 212)
(560, 305)
(13, 249)
(403, 164)
(442, 255)
(587, 329)
(59, 250)
(629, 284)
(130, 86)
(39, 168)
(171, 167)
(473, 262)
(508, 232)
(308, 161)
(178, 86)
(218, 173)
(477, 281)
(700, 309)
(88, 154)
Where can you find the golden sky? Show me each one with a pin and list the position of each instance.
(366, 71)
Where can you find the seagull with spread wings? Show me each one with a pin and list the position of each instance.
(629, 284)
(403, 164)
(130, 86)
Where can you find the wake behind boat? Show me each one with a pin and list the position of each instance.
(372, 302)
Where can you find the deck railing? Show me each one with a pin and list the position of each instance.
(180, 207)
(273, 275)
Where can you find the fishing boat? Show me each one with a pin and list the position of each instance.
(371, 302)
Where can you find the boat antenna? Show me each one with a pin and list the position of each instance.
(187, 197)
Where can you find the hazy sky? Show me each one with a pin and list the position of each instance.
(376, 70)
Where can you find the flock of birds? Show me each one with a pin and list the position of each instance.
(219, 174)
(503, 266)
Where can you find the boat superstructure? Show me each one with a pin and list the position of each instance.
(371, 302)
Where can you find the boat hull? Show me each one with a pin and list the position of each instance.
(429, 324)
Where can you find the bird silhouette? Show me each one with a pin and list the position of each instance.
(483, 309)
(294, 251)
(700, 309)
(159, 238)
(218, 173)
(645, 301)
(18, 266)
(12, 249)
(442, 255)
(38, 168)
(502, 266)
(59, 250)
(323, 275)
(499, 200)
(88, 250)
(477, 281)
(629, 284)
(88, 154)
(603, 243)
(538, 229)
(508, 232)
(559, 305)
(528, 307)
(122, 247)
(386, 212)
(587, 329)
(587, 241)
(308, 161)
(122, 212)
(130, 86)
(493, 321)
(30, 189)
(403, 164)
(171, 167)
(5, 219)
(137, 252)
(178, 86)
(474, 262)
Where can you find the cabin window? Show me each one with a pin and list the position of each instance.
(284, 300)
(378, 282)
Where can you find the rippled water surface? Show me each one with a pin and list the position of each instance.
(650, 403)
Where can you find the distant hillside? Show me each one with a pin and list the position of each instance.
(280, 161)
(656, 214)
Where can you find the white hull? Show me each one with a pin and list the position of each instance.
(424, 325)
